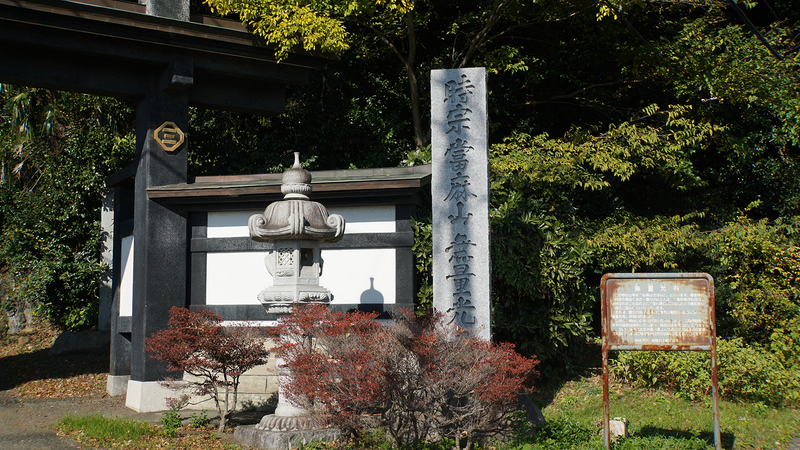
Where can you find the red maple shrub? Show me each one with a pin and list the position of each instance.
(332, 358)
(424, 379)
(215, 355)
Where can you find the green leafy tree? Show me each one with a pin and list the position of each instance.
(57, 149)
(448, 36)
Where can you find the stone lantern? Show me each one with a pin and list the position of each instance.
(296, 225)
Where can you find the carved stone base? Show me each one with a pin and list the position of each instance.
(283, 433)
(271, 422)
(280, 299)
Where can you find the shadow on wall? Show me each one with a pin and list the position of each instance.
(371, 300)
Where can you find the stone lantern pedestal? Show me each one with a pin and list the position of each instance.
(296, 226)
(295, 267)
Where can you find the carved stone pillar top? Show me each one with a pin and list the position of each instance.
(296, 217)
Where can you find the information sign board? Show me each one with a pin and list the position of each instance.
(658, 311)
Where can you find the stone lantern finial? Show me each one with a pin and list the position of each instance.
(296, 181)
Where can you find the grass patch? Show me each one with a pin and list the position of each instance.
(104, 430)
(96, 431)
(660, 420)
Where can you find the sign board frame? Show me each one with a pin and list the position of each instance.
(658, 312)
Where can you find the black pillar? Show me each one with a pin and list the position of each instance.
(120, 366)
(160, 232)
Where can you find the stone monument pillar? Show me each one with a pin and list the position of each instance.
(296, 226)
(460, 199)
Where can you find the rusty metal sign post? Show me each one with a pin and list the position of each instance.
(662, 312)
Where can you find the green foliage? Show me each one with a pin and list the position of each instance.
(562, 434)
(99, 427)
(171, 420)
(586, 160)
(540, 298)
(314, 24)
(61, 147)
(745, 372)
(754, 263)
(331, 121)
(423, 255)
(198, 420)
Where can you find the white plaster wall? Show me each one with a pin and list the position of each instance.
(367, 219)
(347, 273)
(237, 278)
(229, 223)
(126, 278)
(358, 219)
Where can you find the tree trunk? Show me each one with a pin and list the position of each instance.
(421, 137)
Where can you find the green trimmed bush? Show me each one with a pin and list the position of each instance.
(745, 372)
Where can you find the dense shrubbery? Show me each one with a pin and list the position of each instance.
(425, 379)
(55, 151)
(745, 372)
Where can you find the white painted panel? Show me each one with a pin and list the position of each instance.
(235, 278)
(126, 278)
(356, 274)
(229, 223)
(367, 219)
(358, 219)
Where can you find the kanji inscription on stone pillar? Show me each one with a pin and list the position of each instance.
(460, 199)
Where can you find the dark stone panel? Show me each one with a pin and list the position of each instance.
(357, 240)
(237, 244)
(402, 215)
(238, 312)
(64, 52)
(198, 221)
(374, 240)
(120, 354)
(120, 346)
(125, 228)
(198, 270)
(405, 282)
(123, 176)
(136, 37)
(30, 66)
(125, 324)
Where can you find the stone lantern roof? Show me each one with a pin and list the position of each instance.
(296, 217)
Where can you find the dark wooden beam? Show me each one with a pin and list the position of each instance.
(114, 49)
